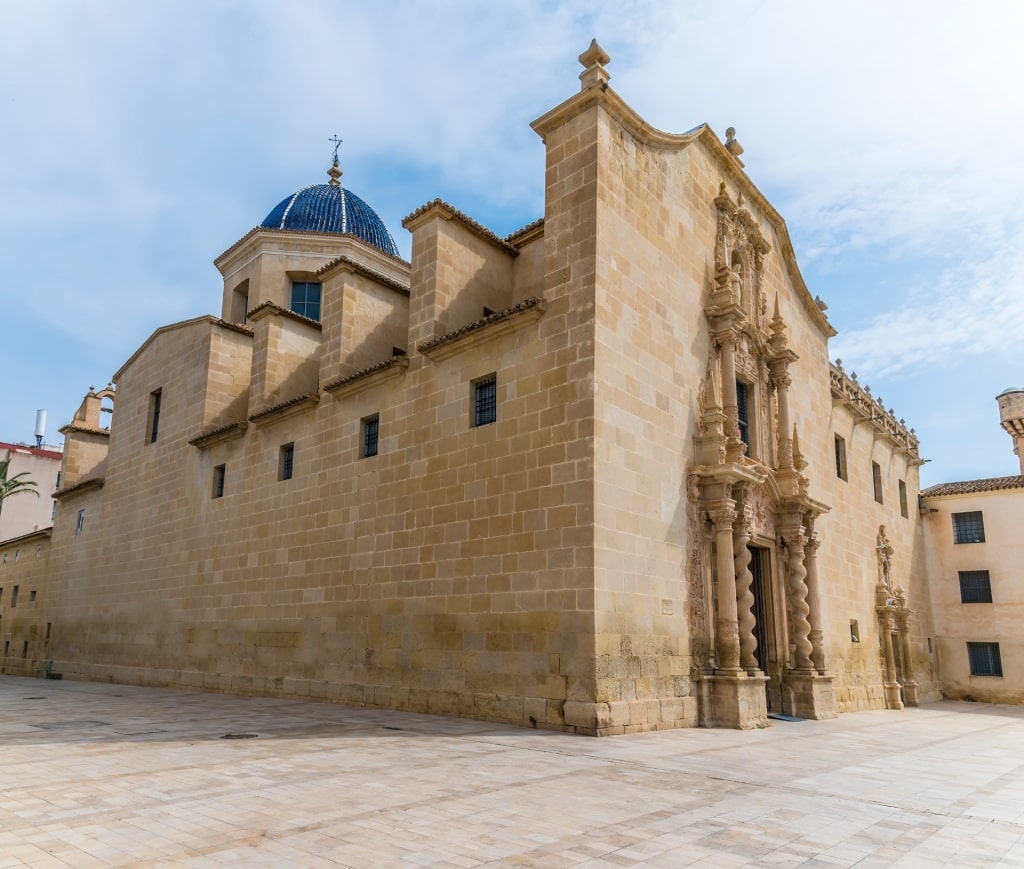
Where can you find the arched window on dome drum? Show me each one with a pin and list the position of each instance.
(306, 299)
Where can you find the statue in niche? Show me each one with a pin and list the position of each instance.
(884, 551)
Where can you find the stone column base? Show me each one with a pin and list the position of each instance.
(911, 695)
(809, 695)
(893, 700)
(737, 700)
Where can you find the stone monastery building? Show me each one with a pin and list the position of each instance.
(597, 476)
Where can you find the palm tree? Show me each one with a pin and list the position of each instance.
(15, 485)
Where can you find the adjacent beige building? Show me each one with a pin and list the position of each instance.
(25, 513)
(975, 557)
(598, 475)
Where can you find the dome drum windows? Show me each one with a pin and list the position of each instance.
(305, 299)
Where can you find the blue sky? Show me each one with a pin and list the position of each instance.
(143, 139)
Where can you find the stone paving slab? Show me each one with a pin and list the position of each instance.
(98, 775)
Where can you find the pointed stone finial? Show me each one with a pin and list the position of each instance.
(798, 457)
(714, 397)
(778, 324)
(733, 146)
(594, 60)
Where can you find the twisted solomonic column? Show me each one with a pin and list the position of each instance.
(816, 635)
(800, 627)
(726, 631)
(744, 596)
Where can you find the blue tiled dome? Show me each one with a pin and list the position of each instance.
(331, 208)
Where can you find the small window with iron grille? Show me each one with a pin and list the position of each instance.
(219, 473)
(968, 527)
(371, 432)
(984, 659)
(975, 586)
(286, 462)
(485, 400)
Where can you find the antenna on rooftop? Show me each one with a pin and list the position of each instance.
(40, 427)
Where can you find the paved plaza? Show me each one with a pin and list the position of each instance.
(109, 775)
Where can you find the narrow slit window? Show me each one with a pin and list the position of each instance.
(155, 400)
(876, 480)
(841, 471)
(80, 524)
(904, 507)
(219, 473)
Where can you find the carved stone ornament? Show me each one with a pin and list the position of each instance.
(762, 515)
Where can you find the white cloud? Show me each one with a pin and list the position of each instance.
(975, 310)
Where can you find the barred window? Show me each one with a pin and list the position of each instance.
(286, 462)
(975, 586)
(371, 434)
(485, 400)
(984, 659)
(218, 481)
(968, 527)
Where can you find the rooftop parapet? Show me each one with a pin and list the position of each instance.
(848, 392)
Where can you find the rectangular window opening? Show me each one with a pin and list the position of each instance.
(371, 435)
(80, 524)
(155, 400)
(841, 458)
(876, 479)
(24, 649)
(286, 462)
(485, 400)
(984, 659)
(904, 507)
(854, 631)
(968, 527)
(975, 586)
(306, 299)
(218, 481)
(31, 595)
(14, 597)
(48, 626)
(743, 412)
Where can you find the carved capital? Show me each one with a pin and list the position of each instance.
(722, 518)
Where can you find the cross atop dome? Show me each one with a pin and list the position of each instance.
(335, 172)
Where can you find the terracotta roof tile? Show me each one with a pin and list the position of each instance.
(969, 487)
